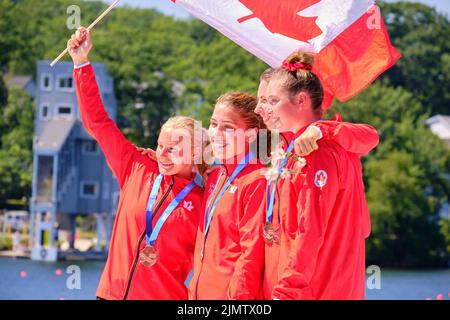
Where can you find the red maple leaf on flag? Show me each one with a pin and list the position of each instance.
(281, 16)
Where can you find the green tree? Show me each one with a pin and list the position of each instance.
(404, 176)
(16, 146)
(445, 231)
(150, 104)
(39, 30)
(421, 34)
(144, 91)
(7, 39)
(405, 232)
(3, 92)
(211, 70)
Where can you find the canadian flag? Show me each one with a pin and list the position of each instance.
(349, 37)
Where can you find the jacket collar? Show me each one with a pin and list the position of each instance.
(288, 136)
(231, 164)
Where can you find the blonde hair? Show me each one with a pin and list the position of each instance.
(197, 133)
(267, 74)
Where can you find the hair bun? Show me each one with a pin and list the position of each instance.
(296, 75)
(298, 61)
(301, 57)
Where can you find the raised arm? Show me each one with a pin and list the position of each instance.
(359, 138)
(119, 152)
(353, 137)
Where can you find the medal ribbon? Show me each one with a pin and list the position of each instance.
(271, 193)
(210, 210)
(152, 235)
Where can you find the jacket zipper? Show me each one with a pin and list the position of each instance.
(204, 244)
(136, 257)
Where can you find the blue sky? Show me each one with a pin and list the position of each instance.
(168, 7)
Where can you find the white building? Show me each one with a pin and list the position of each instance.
(440, 126)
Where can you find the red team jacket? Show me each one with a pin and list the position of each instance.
(324, 219)
(321, 211)
(124, 277)
(233, 257)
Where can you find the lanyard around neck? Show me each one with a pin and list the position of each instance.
(152, 235)
(210, 210)
(271, 193)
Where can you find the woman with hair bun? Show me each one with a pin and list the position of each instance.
(319, 214)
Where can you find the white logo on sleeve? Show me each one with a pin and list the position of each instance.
(320, 178)
(233, 189)
(188, 205)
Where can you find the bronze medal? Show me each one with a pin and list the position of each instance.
(271, 234)
(148, 256)
(268, 233)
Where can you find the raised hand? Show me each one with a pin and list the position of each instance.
(79, 45)
(147, 152)
(307, 142)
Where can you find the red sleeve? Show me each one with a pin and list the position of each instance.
(119, 152)
(320, 186)
(246, 281)
(353, 137)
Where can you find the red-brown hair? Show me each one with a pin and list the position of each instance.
(244, 104)
(301, 79)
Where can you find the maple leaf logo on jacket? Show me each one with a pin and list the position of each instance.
(281, 16)
(188, 205)
(320, 178)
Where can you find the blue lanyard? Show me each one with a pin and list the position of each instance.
(210, 210)
(271, 195)
(152, 235)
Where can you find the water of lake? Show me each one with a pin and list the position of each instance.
(25, 279)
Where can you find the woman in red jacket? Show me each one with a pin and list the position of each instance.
(153, 239)
(317, 220)
(229, 251)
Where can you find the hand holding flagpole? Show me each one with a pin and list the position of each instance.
(100, 17)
